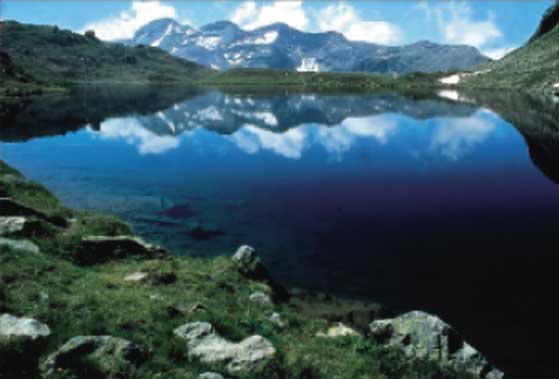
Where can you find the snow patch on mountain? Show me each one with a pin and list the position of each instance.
(209, 43)
(309, 65)
(265, 39)
(158, 41)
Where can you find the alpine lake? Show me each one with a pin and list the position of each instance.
(443, 201)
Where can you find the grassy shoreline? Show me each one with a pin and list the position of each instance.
(72, 299)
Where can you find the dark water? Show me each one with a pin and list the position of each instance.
(437, 202)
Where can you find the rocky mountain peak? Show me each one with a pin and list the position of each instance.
(223, 45)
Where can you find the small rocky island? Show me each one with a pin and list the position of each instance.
(82, 297)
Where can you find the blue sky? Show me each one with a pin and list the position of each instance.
(494, 27)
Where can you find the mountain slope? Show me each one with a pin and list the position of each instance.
(533, 67)
(49, 55)
(223, 45)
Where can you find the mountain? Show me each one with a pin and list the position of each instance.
(49, 56)
(533, 67)
(223, 45)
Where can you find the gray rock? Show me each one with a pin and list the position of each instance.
(203, 343)
(19, 245)
(10, 207)
(111, 357)
(276, 319)
(136, 277)
(338, 330)
(16, 327)
(248, 262)
(421, 335)
(98, 249)
(10, 225)
(260, 298)
(211, 375)
(22, 340)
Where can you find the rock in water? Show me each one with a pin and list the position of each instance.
(21, 342)
(105, 356)
(203, 343)
(421, 335)
(98, 249)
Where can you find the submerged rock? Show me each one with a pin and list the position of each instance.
(421, 335)
(203, 343)
(98, 356)
(202, 233)
(98, 249)
(19, 245)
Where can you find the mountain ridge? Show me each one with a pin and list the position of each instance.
(223, 45)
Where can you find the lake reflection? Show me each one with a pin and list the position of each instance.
(419, 202)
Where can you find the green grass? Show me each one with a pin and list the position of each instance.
(96, 300)
(38, 59)
(306, 80)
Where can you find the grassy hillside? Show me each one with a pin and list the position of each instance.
(249, 77)
(47, 56)
(533, 68)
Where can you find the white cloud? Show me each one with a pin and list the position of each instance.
(131, 131)
(250, 16)
(340, 138)
(127, 22)
(474, 33)
(344, 18)
(499, 52)
(458, 25)
(290, 144)
(455, 138)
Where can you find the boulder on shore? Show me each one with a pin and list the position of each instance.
(421, 335)
(249, 265)
(248, 262)
(19, 245)
(10, 207)
(203, 343)
(11, 224)
(21, 342)
(97, 356)
(99, 249)
(339, 330)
